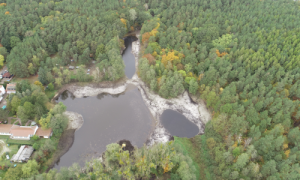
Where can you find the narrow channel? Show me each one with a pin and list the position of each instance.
(108, 118)
(128, 57)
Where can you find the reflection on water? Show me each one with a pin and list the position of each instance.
(128, 57)
(107, 119)
(178, 125)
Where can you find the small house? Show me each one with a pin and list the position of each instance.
(71, 67)
(44, 133)
(6, 75)
(10, 88)
(23, 154)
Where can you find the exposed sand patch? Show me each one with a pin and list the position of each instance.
(75, 120)
(91, 91)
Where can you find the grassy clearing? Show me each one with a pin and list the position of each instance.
(2, 173)
(31, 79)
(189, 150)
(194, 148)
(13, 120)
(50, 94)
(21, 142)
(49, 105)
(6, 162)
(3, 137)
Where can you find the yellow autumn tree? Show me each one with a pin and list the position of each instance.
(45, 122)
(7, 12)
(1, 60)
(173, 56)
(124, 22)
(147, 35)
(287, 153)
(38, 83)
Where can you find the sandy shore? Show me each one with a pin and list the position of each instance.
(75, 120)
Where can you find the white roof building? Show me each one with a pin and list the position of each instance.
(23, 154)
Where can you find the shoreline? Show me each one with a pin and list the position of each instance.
(65, 143)
(193, 108)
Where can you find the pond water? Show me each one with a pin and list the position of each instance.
(178, 125)
(128, 57)
(111, 118)
(107, 119)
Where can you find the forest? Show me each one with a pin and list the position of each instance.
(241, 57)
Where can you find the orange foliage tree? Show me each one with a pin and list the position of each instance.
(150, 58)
(3, 4)
(221, 54)
(7, 12)
(145, 37)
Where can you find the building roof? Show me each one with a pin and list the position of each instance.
(22, 131)
(11, 85)
(5, 128)
(23, 154)
(6, 74)
(42, 132)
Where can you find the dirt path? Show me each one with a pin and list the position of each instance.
(28, 122)
(10, 118)
(4, 148)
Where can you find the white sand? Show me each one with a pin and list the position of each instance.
(75, 120)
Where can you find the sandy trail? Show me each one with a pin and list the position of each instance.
(4, 148)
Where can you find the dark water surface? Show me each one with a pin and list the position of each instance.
(128, 57)
(107, 119)
(178, 125)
